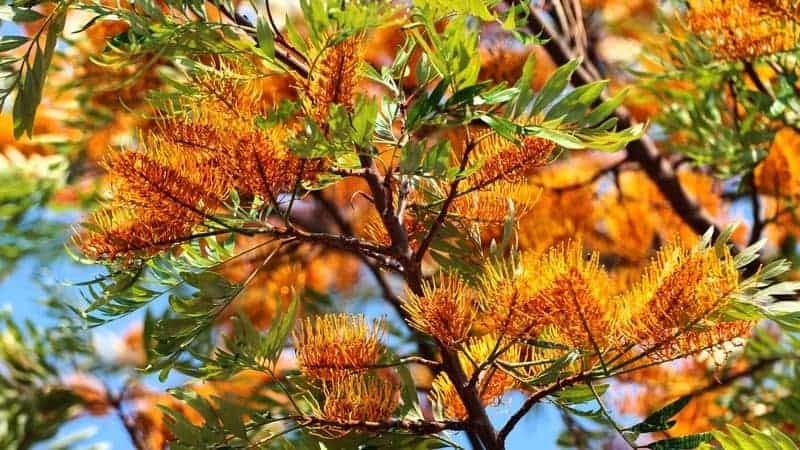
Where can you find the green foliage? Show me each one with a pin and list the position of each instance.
(189, 318)
(577, 120)
(662, 419)
(751, 438)
(26, 185)
(196, 297)
(33, 402)
(129, 287)
(247, 348)
(226, 422)
(27, 81)
(708, 130)
(681, 443)
(576, 395)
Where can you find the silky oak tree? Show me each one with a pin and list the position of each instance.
(377, 224)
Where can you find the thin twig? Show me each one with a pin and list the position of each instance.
(607, 414)
(130, 426)
(281, 54)
(451, 196)
(534, 399)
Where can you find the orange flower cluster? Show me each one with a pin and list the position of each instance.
(154, 203)
(446, 309)
(333, 78)
(565, 296)
(504, 160)
(669, 312)
(777, 182)
(493, 381)
(745, 29)
(491, 205)
(185, 169)
(331, 346)
(223, 120)
(560, 288)
(342, 352)
(358, 398)
(372, 228)
(777, 174)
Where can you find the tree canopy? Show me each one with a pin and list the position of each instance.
(382, 224)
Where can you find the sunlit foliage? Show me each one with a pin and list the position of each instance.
(361, 224)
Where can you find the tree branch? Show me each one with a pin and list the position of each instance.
(644, 151)
(481, 431)
(282, 53)
(451, 196)
(423, 344)
(414, 426)
(731, 378)
(397, 233)
(341, 242)
(535, 398)
(130, 427)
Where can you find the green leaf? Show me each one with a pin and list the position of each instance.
(364, 120)
(29, 96)
(681, 443)
(231, 416)
(573, 105)
(275, 338)
(580, 394)
(554, 86)
(411, 158)
(753, 439)
(523, 85)
(553, 372)
(408, 390)
(11, 42)
(437, 159)
(478, 9)
(210, 284)
(502, 127)
(426, 104)
(181, 428)
(562, 139)
(266, 41)
(660, 420)
(604, 109)
(467, 95)
(15, 14)
(197, 402)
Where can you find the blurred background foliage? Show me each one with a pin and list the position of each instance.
(716, 81)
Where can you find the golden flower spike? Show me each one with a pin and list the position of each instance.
(330, 346)
(504, 160)
(492, 383)
(745, 29)
(334, 77)
(561, 288)
(446, 309)
(359, 398)
(667, 312)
